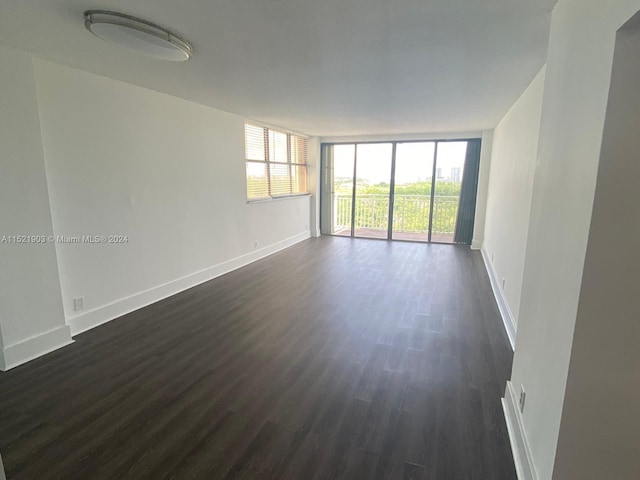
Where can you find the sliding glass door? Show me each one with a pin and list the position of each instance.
(415, 191)
(412, 191)
(448, 184)
(373, 183)
(343, 160)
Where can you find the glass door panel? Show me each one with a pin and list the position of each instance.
(373, 186)
(343, 170)
(412, 192)
(424, 177)
(448, 182)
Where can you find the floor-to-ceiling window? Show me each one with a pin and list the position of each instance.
(372, 190)
(411, 190)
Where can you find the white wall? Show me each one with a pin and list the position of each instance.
(513, 161)
(577, 81)
(167, 173)
(87, 155)
(600, 428)
(31, 315)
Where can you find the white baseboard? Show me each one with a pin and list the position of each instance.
(105, 313)
(22, 352)
(501, 300)
(525, 467)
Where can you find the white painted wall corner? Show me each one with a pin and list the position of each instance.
(525, 466)
(34, 347)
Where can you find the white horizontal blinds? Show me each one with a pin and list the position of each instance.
(276, 163)
(279, 168)
(277, 147)
(254, 141)
(299, 179)
(298, 149)
(280, 179)
(298, 155)
(257, 167)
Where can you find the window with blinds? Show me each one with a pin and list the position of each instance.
(276, 163)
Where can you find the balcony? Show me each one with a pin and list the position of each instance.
(410, 216)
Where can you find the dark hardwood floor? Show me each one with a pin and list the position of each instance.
(336, 358)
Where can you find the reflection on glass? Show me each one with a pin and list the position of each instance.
(373, 184)
(448, 182)
(343, 158)
(412, 193)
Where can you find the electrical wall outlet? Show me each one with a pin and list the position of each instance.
(78, 304)
(523, 397)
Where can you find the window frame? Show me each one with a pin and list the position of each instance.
(268, 135)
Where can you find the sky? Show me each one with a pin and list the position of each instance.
(414, 160)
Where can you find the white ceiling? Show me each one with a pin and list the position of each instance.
(321, 67)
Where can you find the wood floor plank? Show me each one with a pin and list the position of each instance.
(336, 358)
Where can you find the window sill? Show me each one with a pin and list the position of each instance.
(275, 199)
